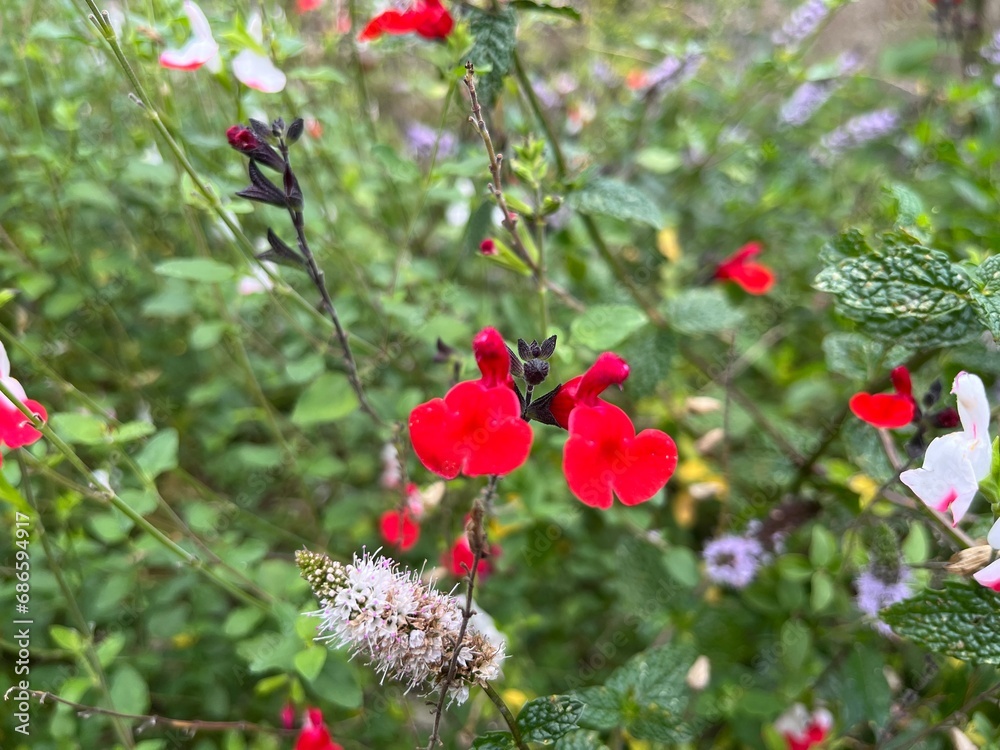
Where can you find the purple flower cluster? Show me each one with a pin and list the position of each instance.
(733, 560)
(803, 21)
(420, 140)
(672, 71)
(875, 594)
(860, 130)
(812, 95)
(991, 52)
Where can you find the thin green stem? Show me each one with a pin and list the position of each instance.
(93, 662)
(112, 498)
(508, 717)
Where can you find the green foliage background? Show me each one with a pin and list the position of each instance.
(225, 421)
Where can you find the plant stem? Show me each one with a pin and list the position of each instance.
(508, 717)
(90, 654)
(153, 720)
(111, 497)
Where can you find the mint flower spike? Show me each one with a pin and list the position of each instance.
(406, 629)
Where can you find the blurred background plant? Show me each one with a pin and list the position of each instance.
(646, 144)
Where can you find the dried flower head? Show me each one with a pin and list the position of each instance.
(406, 629)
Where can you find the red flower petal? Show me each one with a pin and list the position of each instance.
(608, 369)
(753, 277)
(459, 559)
(473, 430)
(315, 735)
(883, 409)
(399, 529)
(304, 6)
(604, 457)
(16, 430)
(901, 381)
(492, 357)
(428, 18)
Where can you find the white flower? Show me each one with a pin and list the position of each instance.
(254, 70)
(954, 464)
(990, 575)
(200, 49)
(406, 629)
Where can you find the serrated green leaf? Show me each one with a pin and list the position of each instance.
(496, 37)
(609, 197)
(695, 311)
(327, 399)
(160, 453)
(647, 697)
(603, 327)
(960, 620)
(547, 719)
(903, 292)
(860, 357)
(986, 300)
(203, 270)
(494, 741)
(581, 739)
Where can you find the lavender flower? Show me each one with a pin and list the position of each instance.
(991, 52)
(420, 140)
(804, 102)
(860, 130)
(733, 560)
(672, 71)
(803, 21)
(878, 589)
(406, 629)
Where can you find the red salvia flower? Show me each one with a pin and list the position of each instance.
(16, 429)
(399, 529)
(315, 735)
(754, 277)
(459, 559)
(603, 456)
(304, 6)
(476, 429)
(889, 410)
(428, 18)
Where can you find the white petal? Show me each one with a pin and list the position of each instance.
(994, 536)
(14, 387)
(255, 28)
(973, 408)
(947, 479)
(4, 362)
(199, 23)
(793, 721)
(258, 72)
(989, 576)
(191, 56)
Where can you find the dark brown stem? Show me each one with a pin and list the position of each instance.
(153, 720)
(477, 541)
(319, 281)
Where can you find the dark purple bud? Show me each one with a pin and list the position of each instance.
(535, 371)
(946, 418)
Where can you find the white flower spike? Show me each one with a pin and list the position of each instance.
(954, 464)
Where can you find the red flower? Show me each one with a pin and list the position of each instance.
(428, 18)
(314, 735)
(488, 247)
(752, 276)
(304, 6)
(16, 429)
(476, 429)
(399, 529)
(801, 729)
(889, 410)
(603, 456)
(459, 559)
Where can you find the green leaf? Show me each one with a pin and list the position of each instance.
(130, 431)
(565, 11)
(129, 692)
(864, 692)
(903, 292)
(496, 37)
(580, 739)
(327, 399)
(160, 453)
(960, 620)
(79, 429)
(647, 697)
(860, 357)
(986, 300)
(309, 662)
(67, 638)
(603, 327)
(494, 741)
(608, 197)
(822, 547)
(650, 354)
(547, 719)
(820, 590)
(195, 269)
(695, 311)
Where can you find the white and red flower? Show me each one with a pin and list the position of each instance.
(802, 729)
(954, 464)
(990, 575)
(16, 429)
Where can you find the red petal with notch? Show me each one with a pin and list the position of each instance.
(15, 429)
(399, 529)
(604, 457)
(473, 430)
(888, 410)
